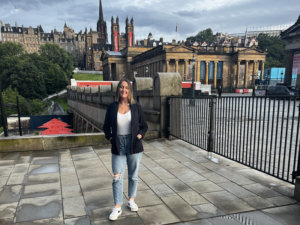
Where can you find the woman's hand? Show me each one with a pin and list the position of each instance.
(139, 136)
(110, 138)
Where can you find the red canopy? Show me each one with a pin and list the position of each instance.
(55, 126)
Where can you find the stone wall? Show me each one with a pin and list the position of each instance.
(90, 104)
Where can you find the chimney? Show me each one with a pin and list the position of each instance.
(161, 40)
(173, 42)
(16, 25)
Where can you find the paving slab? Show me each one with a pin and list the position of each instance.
(181, 208)
(208, 210)
(42, 178)
(71, 191)
(162, 190)
(177, 185)
(161, 173)
(236, 190)
(205, 186)
(67, 171)
(288, 215)
(6, 170)
(149, 178)
(227, 202)
(169, 163)
(223, 220)
(90, 156)
(47, 168)
(103, 213)
(39, 208)
(74, 207)
(50, 221)
(90, 164)
(24, 159)
(196, 167)
(257, 218)
(141, 185)
(149, 162)
(66, 164)
(81, 150)
(215, 178)
(186, 175)
(9, 156)
(129, 220)
(39, 190)
(261, 190)
(258, 202)
(93, 184)
(85, 220)
(281, 200)
(7, 163)
(7, 212)
(44, 160)
(21, 168)
(47, 153)
(193, 198)
(146, 198)
(93, 173)
(156, 155)
(16, 179)
(198, 222)
(11, 194)
(163, 215)
(3, 181)
(70, 180)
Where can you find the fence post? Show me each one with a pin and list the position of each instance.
(211, 141)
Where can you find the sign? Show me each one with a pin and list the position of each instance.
(116, 41)
(202, 70)
(130, 39)
(296, 64)
(219, 70)
(211, 70)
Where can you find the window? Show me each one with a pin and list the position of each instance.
(20, 30)
(72, 48)
(3, 39)
(11, 35)
(27, 45)
(90, 57)
(98, 64)
(26, 39)
(30, 39)
(98, 56)
(66, 47)
(34, 46)
(33, 39)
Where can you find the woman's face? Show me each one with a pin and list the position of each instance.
(124, 90)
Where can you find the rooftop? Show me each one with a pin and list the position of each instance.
(177, 184)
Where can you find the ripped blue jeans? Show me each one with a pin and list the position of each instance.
(118, 166)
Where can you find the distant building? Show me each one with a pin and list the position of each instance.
(276, 75)
(151, 42)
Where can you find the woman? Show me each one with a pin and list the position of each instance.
(125, 125)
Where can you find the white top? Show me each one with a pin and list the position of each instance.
(124, 123)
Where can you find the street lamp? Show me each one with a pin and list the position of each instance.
(147, 71)
(231, 83)
(193, 78)
(110, 76)
(281, 75)
(123, 74)
(253, 90)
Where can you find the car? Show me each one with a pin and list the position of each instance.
(279, 90)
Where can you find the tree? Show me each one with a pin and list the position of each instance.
(57, 55)
(204, 35)
(275, 47)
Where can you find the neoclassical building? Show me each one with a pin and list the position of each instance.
(227, 66)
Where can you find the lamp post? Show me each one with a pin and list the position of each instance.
(147, 71)
(231, 83)
(3, 114)
(193, 78)
(110, 77)
(253, 90)
(281, 75)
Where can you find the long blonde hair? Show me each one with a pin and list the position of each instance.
(131, 101)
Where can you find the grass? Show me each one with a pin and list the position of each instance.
(1, 130)
(63, 102)
(91, 77)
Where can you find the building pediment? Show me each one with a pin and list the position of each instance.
(181, 48)
(253, 50)
(293, 30)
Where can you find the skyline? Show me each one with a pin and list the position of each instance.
(221, 16)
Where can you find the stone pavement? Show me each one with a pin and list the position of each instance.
(177, 185)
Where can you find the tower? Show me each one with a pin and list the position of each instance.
(101, 26)
(115, 34)
(130, 41)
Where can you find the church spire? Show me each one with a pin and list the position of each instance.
(100, 12)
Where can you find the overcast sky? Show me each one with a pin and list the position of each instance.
(156, 16)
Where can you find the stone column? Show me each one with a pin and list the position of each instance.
(110, 72)
(176, 65)
(246, 74)
(160, 66)
(198, 71)
(186, 68)
(262, 70)
(167, 65)
(215, 73)
(238, 74)
(206, 72)
(289, 67)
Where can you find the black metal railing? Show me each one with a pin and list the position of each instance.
(259, 132)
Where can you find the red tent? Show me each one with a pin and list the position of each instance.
(55, 126)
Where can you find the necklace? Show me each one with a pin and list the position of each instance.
(123, 109)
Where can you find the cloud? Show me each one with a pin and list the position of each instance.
(156, 16)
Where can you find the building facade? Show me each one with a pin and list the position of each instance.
(228, 66)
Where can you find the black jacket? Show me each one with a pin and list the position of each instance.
(138, 126)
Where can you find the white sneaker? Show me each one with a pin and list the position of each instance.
(132, 206)
(116, 212)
